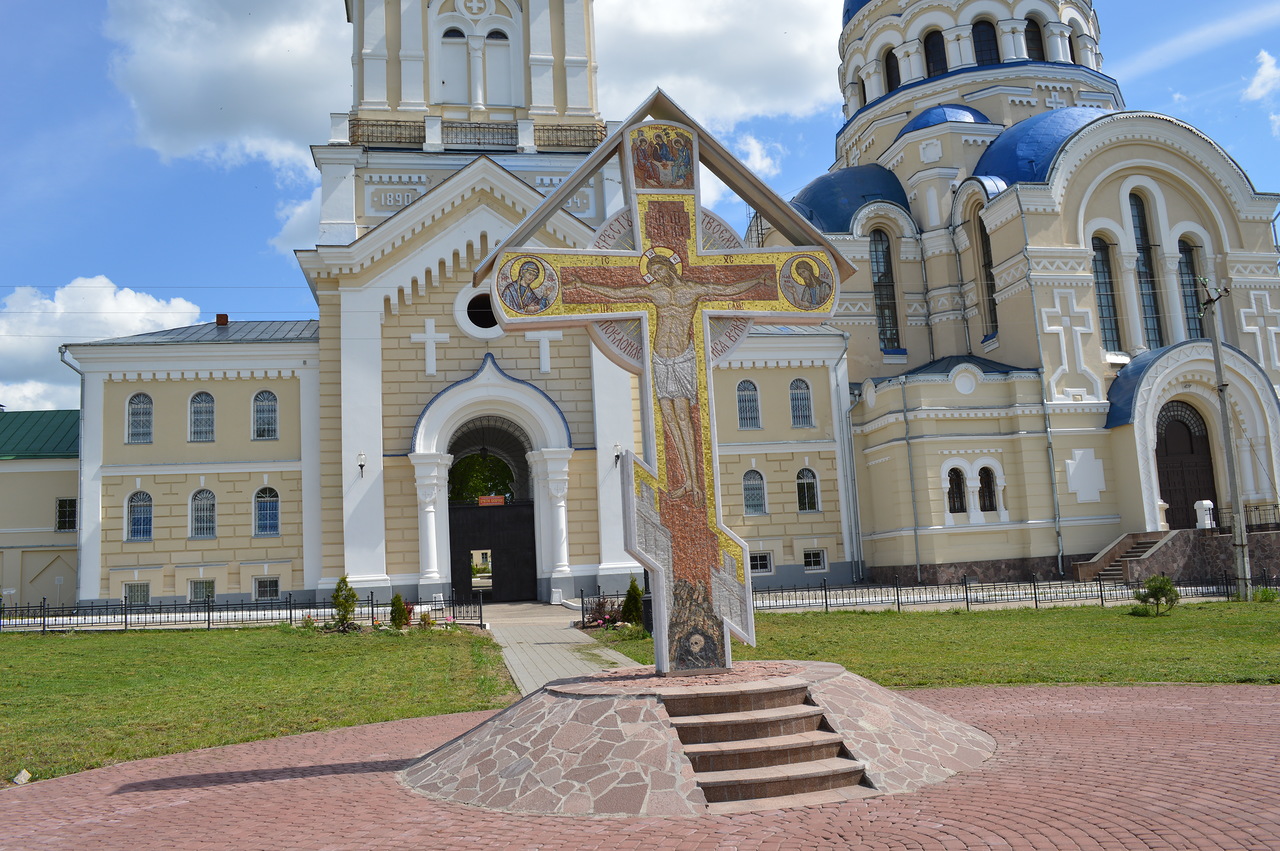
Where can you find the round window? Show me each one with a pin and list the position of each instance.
(480, 312)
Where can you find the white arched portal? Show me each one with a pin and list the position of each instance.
(491, 392)
(1186, 372)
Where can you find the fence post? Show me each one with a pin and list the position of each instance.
(481, 610)
(372, 613)
(288, 604)
(208, 613)
(897, 589)
(964, 580)
(826, 603)
(1102, 599)
(1035, 591)
(124, 605)
(44, 614)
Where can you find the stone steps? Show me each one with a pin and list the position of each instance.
(1118, 571)
(771, 781)
(752, 724)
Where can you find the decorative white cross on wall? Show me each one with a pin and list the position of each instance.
(1263, 322)
(430, 338)
(476, 7)
(1069, 323)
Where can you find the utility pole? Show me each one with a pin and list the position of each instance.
(1239, 534)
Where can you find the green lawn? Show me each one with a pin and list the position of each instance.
(70, 702)
(1198, 643)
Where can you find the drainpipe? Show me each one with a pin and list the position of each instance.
(1044, 391)
(911, 475)
(964, 308)
(928, 308)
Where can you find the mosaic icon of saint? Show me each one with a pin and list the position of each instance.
(810, 291)
(531, 291)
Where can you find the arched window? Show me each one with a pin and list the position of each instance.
(1189, 282)
(498, 89)
(748, 405)
(1035, 41)
(753, 493)
(1071, 47)
(266, 513)
(991, 324)
(892, 73)
(140, 415)
(139, 519)
(497, 35)
(454, 32)
(1105, 288)
(957, 492)
(1148, 295)
(935, 54)
(801, 404)
(266, 416)
(885, 296)
(201, 425)
(986, 489)
(454, 67)
(204, 514)
(807, 490)
(986, 43)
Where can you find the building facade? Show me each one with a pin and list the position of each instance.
(1017, 374)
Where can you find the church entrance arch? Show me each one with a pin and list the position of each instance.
(493, 545)
(1184, 463)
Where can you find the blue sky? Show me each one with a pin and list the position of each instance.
(159, 172)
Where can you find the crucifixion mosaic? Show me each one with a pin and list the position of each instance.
(666, 289)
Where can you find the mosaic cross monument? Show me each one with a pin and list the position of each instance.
(666, 288)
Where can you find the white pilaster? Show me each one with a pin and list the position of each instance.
(1171, 299)
(577, 59)
(431, 477)
(412, 57)
(89, 572)
(954, 38)
(1057, 45)
(550, 469)
(910, 60)
(338, 194)
(542, 61)
(872, 79)
(1013, 39)
(312, 515)
(373, 56)
(1132, 318)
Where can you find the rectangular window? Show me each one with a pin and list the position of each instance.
(266, 588)
(66, 519)
(1104, 285)
(137, 593)
(815, 561)
(200, 590)
(762, 562)
(1189, 283)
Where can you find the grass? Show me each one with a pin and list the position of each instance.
(1197, 643)
(74, 701)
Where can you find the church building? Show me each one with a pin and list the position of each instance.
(1017, 374)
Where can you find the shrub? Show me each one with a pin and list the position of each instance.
(399, 612)
(633, 605)
(344, 603)
(1158, 592)
(1266, 595)
(425, 621)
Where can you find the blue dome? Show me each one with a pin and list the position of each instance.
(831, 201)
(851, 8)
(1025, 152)
(947, 112)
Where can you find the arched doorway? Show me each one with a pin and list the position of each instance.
(1184, 463)
(492, 542)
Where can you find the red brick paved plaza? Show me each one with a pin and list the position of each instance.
(1078, 767)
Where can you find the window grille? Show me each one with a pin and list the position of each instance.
(986, 489)
(1148, 295)
(266, 513)
(66, 518)
(748, 405)
(1035, 41)
(957, 496)
(892, 72)
(137, 593)
(140, 413)
(266, 418)
(1105, 289)
(885, 297)
(992, 323)
(204, 515)
(753, 492)
(801, 404)
(201, 418)
(266, 588)
(140, 516)
(497, 35)
(200, 590)
(807, 490)
(762, 562)
(815, 561)
(935, 54)
(1190, 288)
(986, 44)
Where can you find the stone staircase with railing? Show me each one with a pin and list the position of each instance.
(1118, 572)
(762, 747)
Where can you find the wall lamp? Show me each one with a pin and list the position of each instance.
(361, 460)
(617, 453)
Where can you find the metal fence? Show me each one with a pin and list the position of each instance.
(965, 593)
(208, 614)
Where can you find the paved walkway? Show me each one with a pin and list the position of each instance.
(1158, 768)
(539, 645)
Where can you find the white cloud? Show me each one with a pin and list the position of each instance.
(716, 59)
(1275, 125)
(300, 224)
(1179, 97)
(1200, 36)
(1265, 80)
(764, 158)
(33, 325)
(232, 80)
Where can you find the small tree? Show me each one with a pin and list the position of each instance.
(399, 612)
(344, 603)
(1158, 592)
(633, 606)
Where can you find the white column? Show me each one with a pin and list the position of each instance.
(1013, 39)
(475, 52)
(431, 478)
(873, 79)
(373, 55)
(363, 509)
(412, 57)
(1087, 53)
(1132, 318)
(542, 61)
(577, 62)
(1057, 47)
(964, 42)
(1171, 300)
(910, 61)
(550, 469)
(338, 194)
(955, 38)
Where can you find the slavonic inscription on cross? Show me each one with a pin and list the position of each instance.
(674, 287)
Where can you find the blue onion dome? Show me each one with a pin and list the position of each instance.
(851, 8)
(831, 201)
(1026, 151)
(947, 112)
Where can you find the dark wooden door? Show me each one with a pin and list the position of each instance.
(1184, 462)
(507, 531)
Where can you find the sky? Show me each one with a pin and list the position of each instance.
(160, 171)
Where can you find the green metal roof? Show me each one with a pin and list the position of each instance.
(39, 434)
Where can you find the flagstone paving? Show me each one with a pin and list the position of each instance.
(1076, 767)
